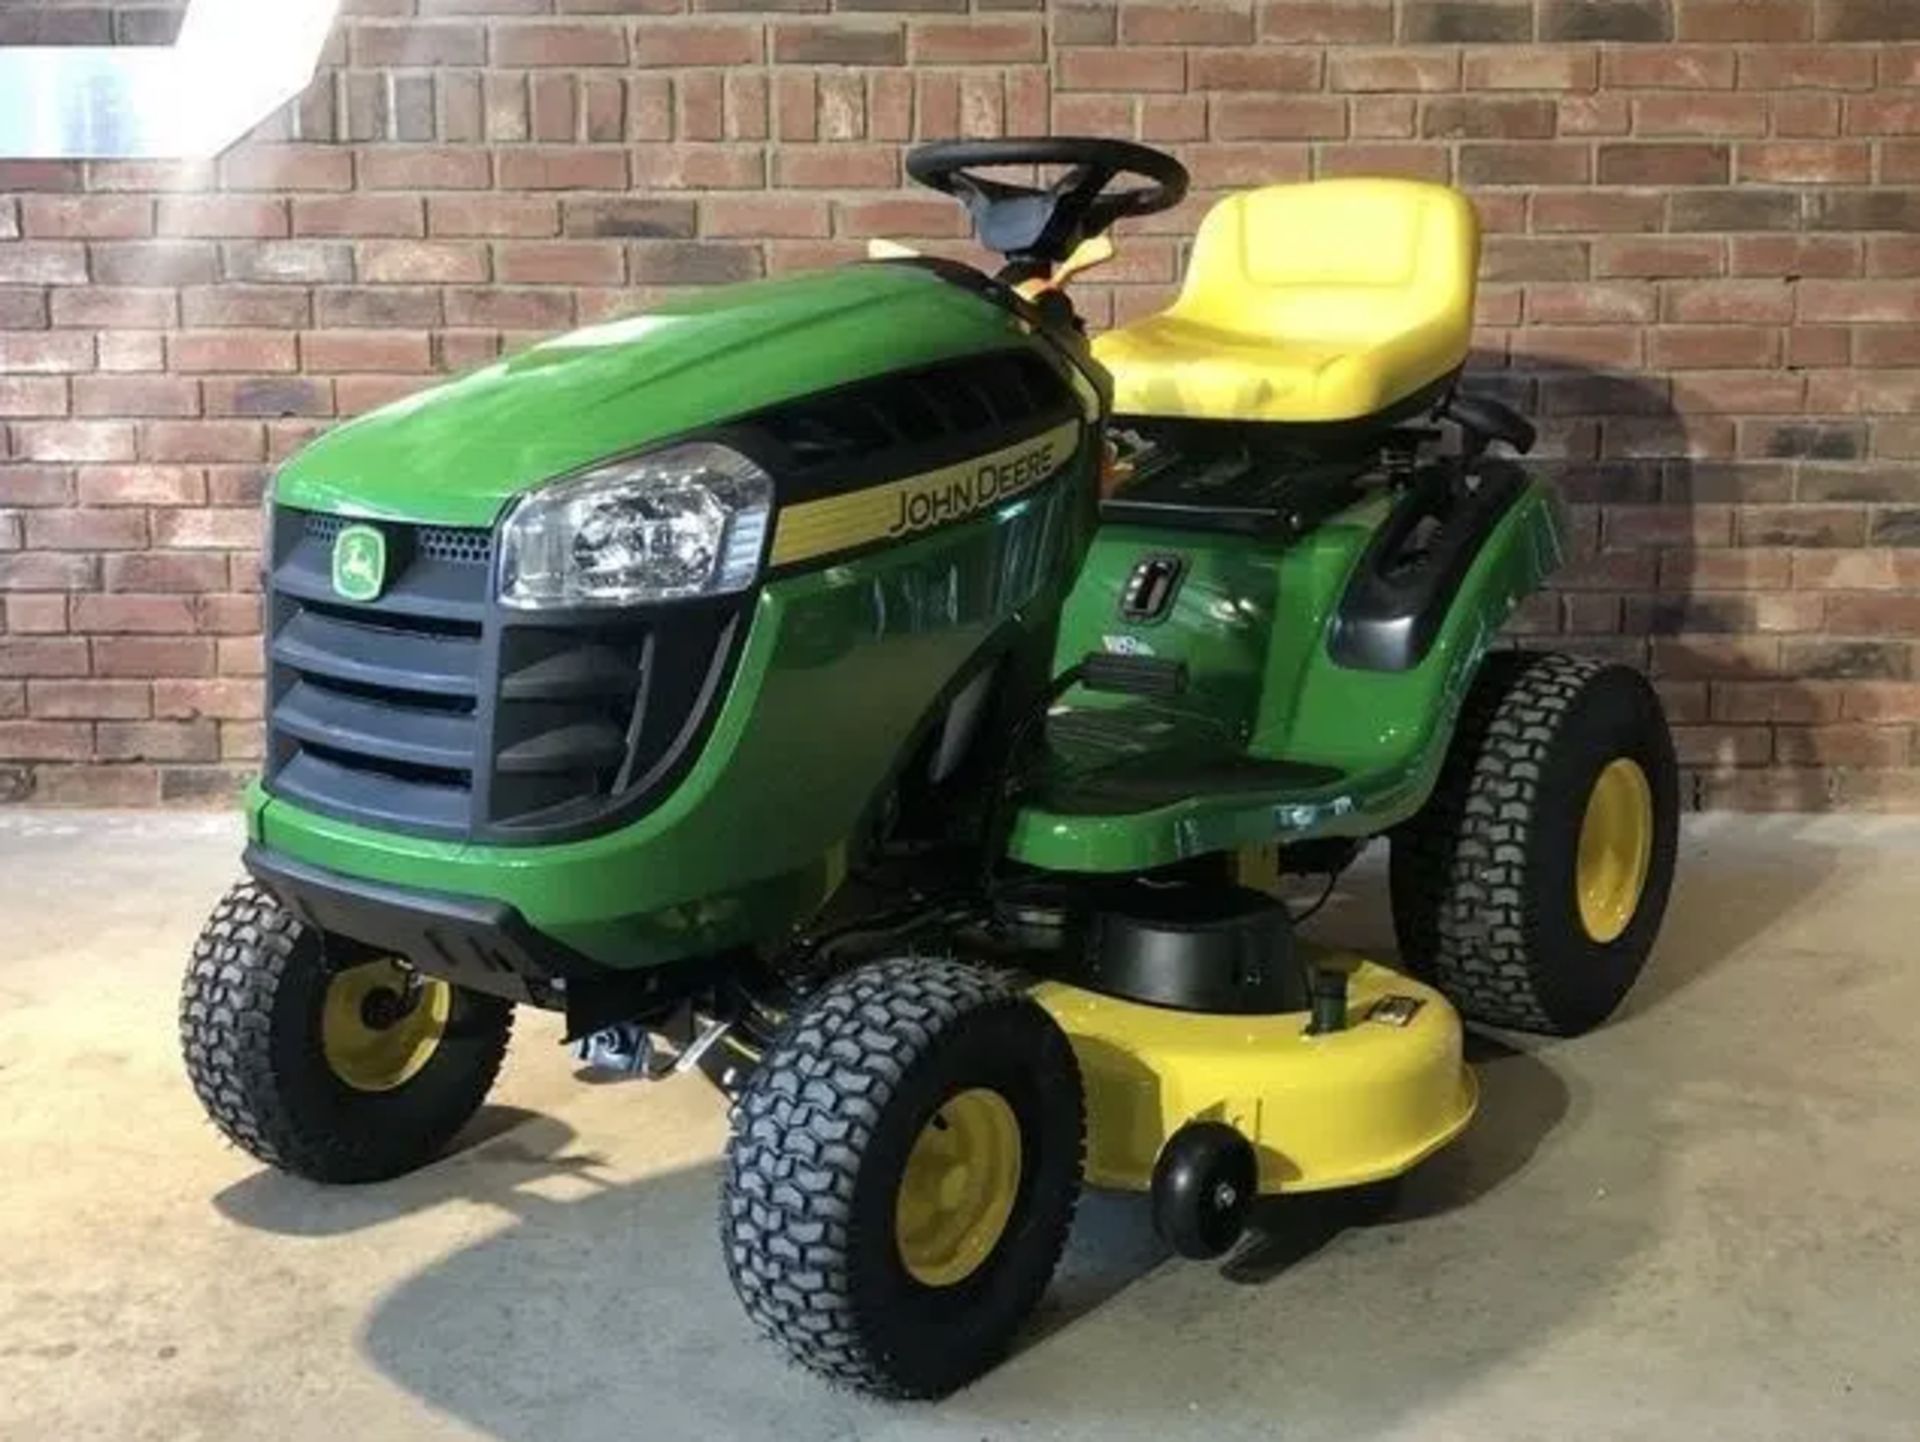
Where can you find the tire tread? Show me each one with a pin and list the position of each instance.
(1459, 867)
(801, 1128)
(243, 959)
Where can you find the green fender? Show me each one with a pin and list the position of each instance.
(1251, 623)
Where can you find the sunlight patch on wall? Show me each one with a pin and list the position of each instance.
(234, 64)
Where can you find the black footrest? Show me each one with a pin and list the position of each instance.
(1133, 675)
(1152, 780)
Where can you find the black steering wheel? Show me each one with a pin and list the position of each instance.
(1042, 225)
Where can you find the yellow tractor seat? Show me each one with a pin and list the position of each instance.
(1329, 301)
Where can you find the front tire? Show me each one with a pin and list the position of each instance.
(337, 1068)
(1530, 887)
(902, 1174)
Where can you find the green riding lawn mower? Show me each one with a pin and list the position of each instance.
(870, 692)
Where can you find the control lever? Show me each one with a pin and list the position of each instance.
(1486, 420)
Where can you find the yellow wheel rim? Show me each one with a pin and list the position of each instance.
(380, 1024)
(1616, 848)
(958, 1190)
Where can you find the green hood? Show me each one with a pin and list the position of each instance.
(455, 454)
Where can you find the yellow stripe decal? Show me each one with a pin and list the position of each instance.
(919, 503)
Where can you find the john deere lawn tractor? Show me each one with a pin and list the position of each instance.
(867, 690)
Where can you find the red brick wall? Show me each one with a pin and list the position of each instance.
(1703, 275)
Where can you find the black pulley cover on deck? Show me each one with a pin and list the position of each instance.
(1196, 947)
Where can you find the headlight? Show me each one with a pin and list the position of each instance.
(687, 521)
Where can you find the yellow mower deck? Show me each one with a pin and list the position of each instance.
(1335, 1110)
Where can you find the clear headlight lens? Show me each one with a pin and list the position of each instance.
(687, 521)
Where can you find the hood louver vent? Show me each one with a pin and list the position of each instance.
(969, 403)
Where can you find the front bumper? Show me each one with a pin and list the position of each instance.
(483, 945)
(613, 903)
(467, 939)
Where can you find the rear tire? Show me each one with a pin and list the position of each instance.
(854, 1220)
(1506, 892)
(263, 1048)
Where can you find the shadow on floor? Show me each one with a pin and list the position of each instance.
(494, 1158)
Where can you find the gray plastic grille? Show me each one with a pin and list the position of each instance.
(455, 545)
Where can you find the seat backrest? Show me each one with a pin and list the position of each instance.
(1336, 260)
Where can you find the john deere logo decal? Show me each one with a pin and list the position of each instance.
(920, 503)
(359, 563)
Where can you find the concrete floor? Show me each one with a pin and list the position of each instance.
(1702, 1222)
